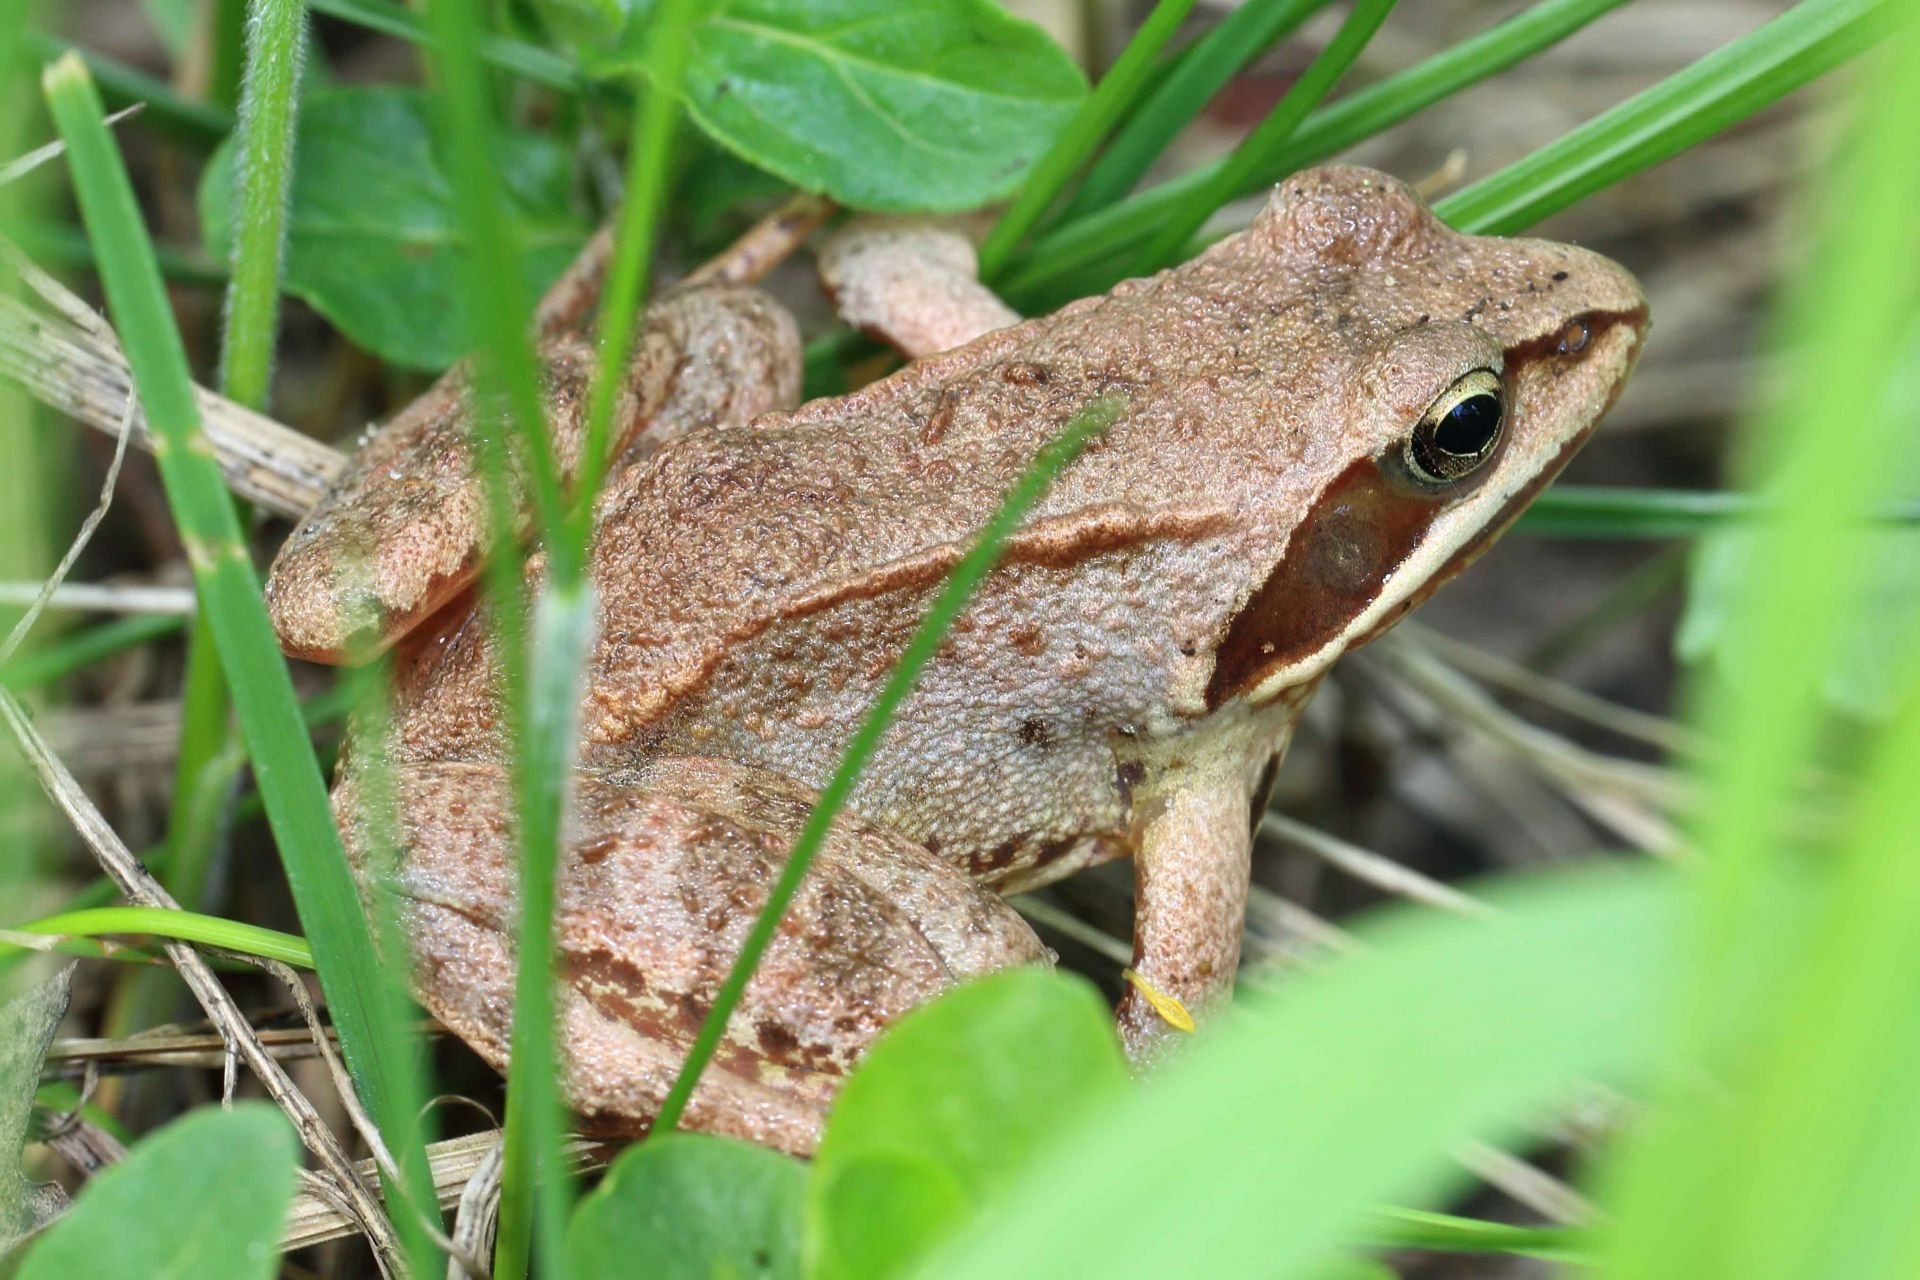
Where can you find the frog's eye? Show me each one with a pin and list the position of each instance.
(1459, 431)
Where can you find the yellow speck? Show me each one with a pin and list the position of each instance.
(1171, 1011)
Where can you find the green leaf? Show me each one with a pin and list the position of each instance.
(27, 1024)
(204, 1197)
(374, 241)
(692, 1206)
(947, 1110)
(881, 104)
(1870, 673)
(1264, 1149)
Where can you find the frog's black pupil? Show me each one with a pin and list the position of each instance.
(1469, 427)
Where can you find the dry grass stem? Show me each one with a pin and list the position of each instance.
(1626, 796)
(1364, 864)
(99, 597)
(140, 888)
(1655, 731)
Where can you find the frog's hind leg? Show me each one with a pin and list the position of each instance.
(911, 282)
(662, 872)
(402, 530)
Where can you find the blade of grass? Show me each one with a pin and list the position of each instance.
(1418, 1229)
(1620, 511)
(528, 61)
(167, 109)
(363, 997)
(1068, 252)
(540, 672)
(1836, 1176)
(1711, 94)
(1242, 36)
(54, 245)
(1116, 92)
(1257, 151)
(84, 648)
(267, 82)
(656, 121)
(946, 606)
(226, 37)
(183, 926)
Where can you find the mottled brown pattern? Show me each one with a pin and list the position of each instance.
(1119, 684)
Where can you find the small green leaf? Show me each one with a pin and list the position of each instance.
(204, 1197)
(27, 1024)
(374, 240)
(946, 1110)
(692, 1206)
(881, 104)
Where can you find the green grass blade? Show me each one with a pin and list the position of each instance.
(1418, 1229)
(269, 106)
(1110, 100)
(946, 606)
(165, 108)
(528, 61)
(363, 997)
(182, 926)
(1717, 91)
(1621, 511)
(541, 679)
(1257, 151)
(1838, 1172)
(656, 121)
(1070, 251)
(84, 648)
(1242, 36)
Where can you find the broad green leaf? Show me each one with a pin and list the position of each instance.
(27, 1024)
(374, 242)
(689, 1206)
(1870, 675)
(881, 104)
(1263, 1150)
(204, 1197)
(947, 1110)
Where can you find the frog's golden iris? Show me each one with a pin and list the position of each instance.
(1459, 431)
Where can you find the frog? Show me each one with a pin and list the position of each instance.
(1323, 417)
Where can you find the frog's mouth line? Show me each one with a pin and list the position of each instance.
(1285, 637)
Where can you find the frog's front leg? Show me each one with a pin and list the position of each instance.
(402, 530)
(663, 871)
(911, 282)
(1191, 861)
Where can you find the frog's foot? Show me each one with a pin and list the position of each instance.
(911, 282)
(402, 530)
(1190, 906)
(663, 872)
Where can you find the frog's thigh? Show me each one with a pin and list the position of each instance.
(911, 282)
(1190, 877)
(402, 530)
(662, 874)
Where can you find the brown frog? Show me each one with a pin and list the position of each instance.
(1327, 415)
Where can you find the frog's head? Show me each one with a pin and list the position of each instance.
(1466, 371)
